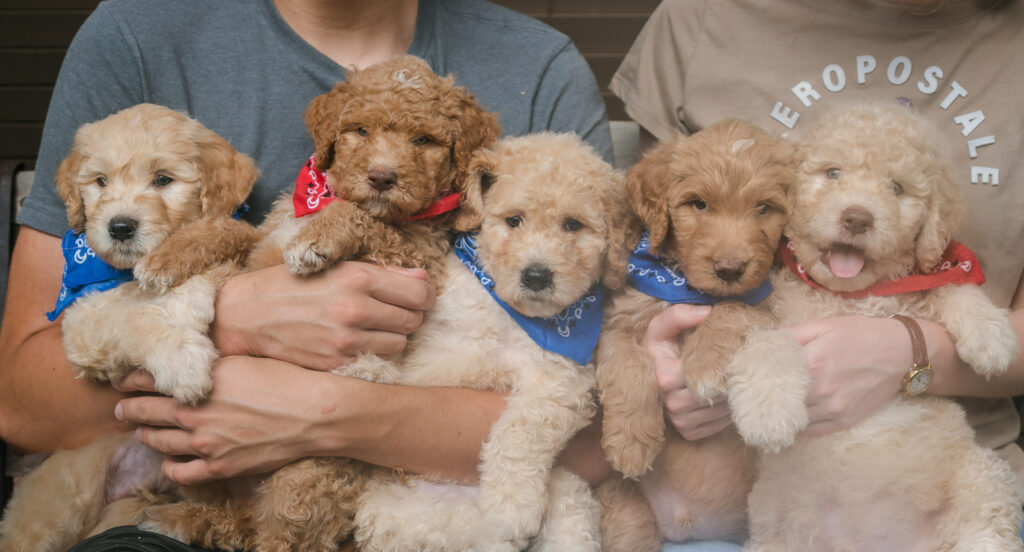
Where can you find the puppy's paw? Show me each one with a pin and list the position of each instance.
(184, 373)
(768, 385)
(632, 442)
(988, 346)
(159, 272)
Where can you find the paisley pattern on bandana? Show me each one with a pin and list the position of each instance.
(84, 273)
(313, 192)
(572, 333)
(651, 275)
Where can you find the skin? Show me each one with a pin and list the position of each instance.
(272, 400)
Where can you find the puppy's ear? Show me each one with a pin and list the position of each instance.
(645, 189)
(227, 175)
(476, 128)
(480, 177)
(943, 217)
(323, 115)
(67, 187)
(624, 230)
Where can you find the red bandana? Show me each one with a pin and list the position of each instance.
(313, 192)
(957, 266)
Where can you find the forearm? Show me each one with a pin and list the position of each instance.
(953, 377)
(43, 407)
(426, 430)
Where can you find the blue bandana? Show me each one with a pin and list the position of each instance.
(651, 274)
(572, 333)
(84, 273)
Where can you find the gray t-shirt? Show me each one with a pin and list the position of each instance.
(237, 67)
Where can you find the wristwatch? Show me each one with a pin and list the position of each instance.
(920, 374)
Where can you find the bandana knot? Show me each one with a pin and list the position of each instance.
(313, 192)
(652, 275)
(571, 333)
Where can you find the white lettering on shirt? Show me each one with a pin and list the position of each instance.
(805, 92)
(956, 92)
(785, 115)
(970, 121)
(985, 175)
(899, 70)
(973, 145)
(834, 78)
(931, 80)
(865, 65)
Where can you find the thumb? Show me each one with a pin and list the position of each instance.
(666, 327)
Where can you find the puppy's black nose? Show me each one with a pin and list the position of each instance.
(381, 179)
(536, 277)
(730, 270)
(857, 219)
(122, 228)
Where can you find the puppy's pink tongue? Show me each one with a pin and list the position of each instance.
(845, 262)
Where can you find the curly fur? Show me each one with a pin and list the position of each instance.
(909, 477)
(395, 118)
(178, 182)
(714, 203)
(399, 119)
(530, 188)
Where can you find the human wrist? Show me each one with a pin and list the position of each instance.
(919, 375)
(224, 330)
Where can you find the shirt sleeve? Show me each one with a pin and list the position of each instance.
(651, 81)
(569, 100)
(100, 75)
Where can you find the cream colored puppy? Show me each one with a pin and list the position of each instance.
(875, 207)
(554, 225)
(150, 192)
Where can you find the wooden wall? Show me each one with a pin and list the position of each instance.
(34, 35)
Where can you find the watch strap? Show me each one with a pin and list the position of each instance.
(917, 345)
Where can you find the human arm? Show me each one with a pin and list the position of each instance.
(264, 413)
(42, 407)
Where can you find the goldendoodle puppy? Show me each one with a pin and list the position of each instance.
(714, 205)
(142, 187)
(874, 209)
(393, 145)
(520, 313)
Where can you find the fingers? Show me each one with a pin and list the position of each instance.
(172, 442)
(694, 421)
(191, 472)
(136, 381)
(667, 326)
(403, 288)
(150, 410)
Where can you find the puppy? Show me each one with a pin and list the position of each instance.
(874, 209)
(714, 205)
(553, 225)
(393, 146)
(142, 187)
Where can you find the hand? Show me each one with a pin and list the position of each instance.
(857, 364)
(692, 418)
(321, 321)
(260, 416)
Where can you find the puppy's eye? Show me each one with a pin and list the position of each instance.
(897, 188)
(514, 221)
(764, 208)
(162, 180)
(362, 132)
(572, 225)
(101, 181)
(420, 141)
(833, 173)
(699, 204)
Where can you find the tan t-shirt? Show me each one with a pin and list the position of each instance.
(774, 61)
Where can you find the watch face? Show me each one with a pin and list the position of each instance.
(919, 382)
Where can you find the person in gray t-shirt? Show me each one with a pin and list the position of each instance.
(247, 69)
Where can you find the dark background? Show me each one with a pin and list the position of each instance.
(34, 35)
